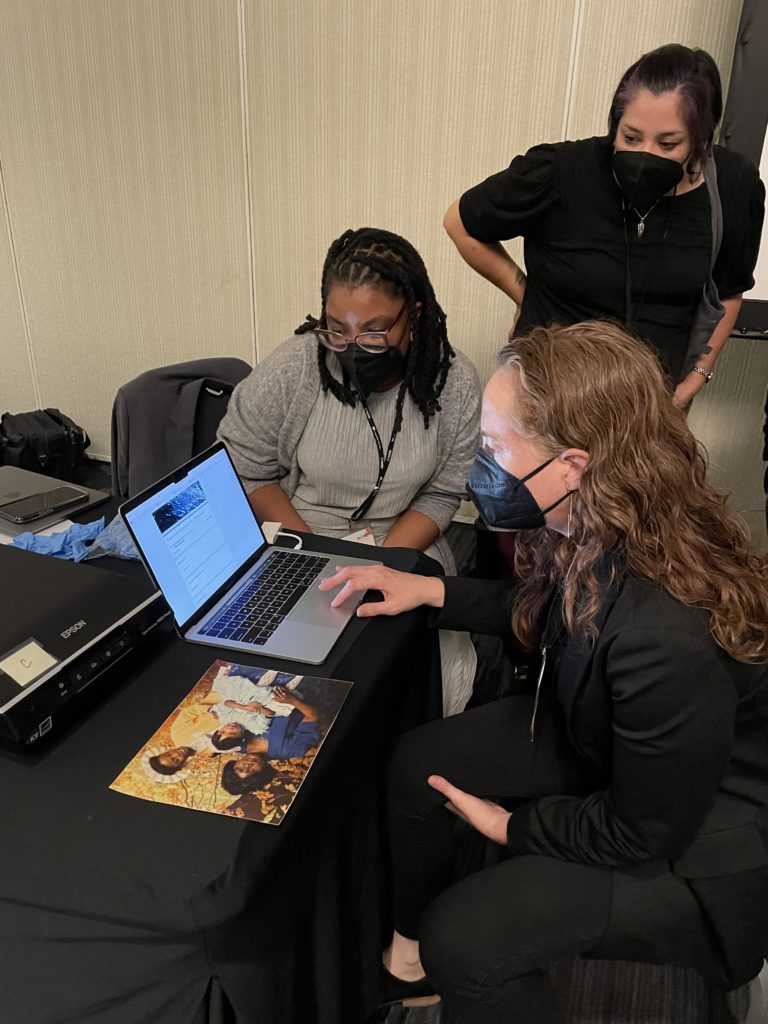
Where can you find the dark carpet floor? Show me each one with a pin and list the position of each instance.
(607, 992)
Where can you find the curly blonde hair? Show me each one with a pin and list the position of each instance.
(644, 495)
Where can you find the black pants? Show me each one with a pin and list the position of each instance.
(485, 941)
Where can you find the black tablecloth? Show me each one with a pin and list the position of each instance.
(114, 910)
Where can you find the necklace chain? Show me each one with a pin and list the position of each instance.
(642, 216)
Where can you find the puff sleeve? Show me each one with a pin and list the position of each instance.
(513, 201)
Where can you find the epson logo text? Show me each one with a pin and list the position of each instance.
(72, 629)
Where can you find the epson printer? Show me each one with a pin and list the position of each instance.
(63, 626)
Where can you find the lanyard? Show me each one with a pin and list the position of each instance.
(384, 461)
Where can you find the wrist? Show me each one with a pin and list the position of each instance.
(705, 372)
(434, 592)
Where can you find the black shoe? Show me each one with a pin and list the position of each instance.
(396, 992)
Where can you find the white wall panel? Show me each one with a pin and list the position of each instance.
(131, 183)
(121, 141)
(382, 113)
(727, 417)
(613, 35)
(17, 389)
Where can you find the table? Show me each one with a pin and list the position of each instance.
(114, 910)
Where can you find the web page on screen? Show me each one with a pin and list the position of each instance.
(196, 532)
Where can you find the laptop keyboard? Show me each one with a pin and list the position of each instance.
(271, 593)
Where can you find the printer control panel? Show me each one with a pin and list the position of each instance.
(51, 703)
(95, 663)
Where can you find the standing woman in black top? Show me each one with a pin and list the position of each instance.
(621, 226)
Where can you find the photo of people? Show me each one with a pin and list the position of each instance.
(240, 743)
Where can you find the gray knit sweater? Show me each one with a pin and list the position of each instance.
(270, 409)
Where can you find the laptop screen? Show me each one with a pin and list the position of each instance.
(196, 532)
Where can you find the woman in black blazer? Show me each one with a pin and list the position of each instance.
(627, 792)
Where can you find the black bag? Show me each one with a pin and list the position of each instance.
(45, 441)
(710, 310)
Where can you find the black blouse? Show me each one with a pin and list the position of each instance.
(562, 198)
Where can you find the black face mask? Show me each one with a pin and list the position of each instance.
(644, 178)
(368, 371)
(503, 500)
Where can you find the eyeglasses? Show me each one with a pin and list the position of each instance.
(374, 342)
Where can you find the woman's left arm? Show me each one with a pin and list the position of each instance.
(459, 437)
(742, 195)
(672, 707)
(691, 385)
(412, 530)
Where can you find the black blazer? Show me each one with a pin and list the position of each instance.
(156, 418)
(676, 735)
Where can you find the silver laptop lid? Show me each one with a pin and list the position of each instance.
(18, 483)
(195, 530)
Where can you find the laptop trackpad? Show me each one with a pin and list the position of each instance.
(314, 609)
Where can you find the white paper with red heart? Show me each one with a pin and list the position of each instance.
(27, 663)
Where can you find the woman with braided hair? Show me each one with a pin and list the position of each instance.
(367, 417)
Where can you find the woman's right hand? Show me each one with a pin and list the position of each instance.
(402, 591)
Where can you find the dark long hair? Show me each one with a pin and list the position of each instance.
(370, 257)
(694, 76)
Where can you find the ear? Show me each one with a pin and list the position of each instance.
(413, 319)
(573, 462)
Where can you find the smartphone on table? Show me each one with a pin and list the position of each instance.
(35, 506)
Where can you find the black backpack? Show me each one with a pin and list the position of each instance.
(44, 441)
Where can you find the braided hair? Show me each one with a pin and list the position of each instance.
(370, 257)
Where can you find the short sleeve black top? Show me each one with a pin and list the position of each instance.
(564, 201)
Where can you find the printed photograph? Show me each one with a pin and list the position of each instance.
(241, 743)
(182, 504)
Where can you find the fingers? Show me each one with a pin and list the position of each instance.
(350, 588)
(368, 577)
(484, 815)
(459, 802)
(343, 573)
(351, 580)
(393, 585)
(374, 608)
(443, 786)
(455, 810)
(355, 580)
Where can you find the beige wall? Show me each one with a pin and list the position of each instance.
(174, 170)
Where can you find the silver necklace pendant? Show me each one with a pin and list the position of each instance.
(642, 216)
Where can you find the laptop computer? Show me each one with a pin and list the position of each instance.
(204, 547)
(16, 484)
